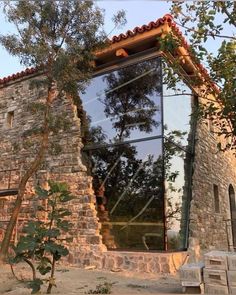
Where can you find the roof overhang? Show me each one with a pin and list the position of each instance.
(143, 40)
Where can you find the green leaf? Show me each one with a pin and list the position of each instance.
(14, 260)
(42, 193)
(66, 197)
(54, 248)
(35, 285)
(219, 146)
(32, 227)
(26, 244)
(69, 240)
(51, 203)
(43, 269)
(39, 252)
(65, 225)
(57, 187)
(212, 12)
(53, 233)
(63, 212)
(44, 265)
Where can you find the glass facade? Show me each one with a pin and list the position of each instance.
(178, 131)
(135, 149)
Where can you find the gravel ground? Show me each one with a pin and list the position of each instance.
(72, 280)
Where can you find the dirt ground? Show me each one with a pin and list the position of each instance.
(71, 280)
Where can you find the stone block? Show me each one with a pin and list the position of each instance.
(232, 290)
(119, 261)
(165, 268)
(216, 260)
(231, 261)
(191, 273)
(215, 276)
(231, 275)
(142, 267)
(216, 289)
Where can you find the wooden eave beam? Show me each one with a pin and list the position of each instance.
(129, 42)
(122, 52)
(188, 69)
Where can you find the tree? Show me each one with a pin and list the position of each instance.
(59, 38)
(206, 21)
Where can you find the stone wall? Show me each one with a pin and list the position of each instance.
(207, 228)
(144, 262)
(63, 163)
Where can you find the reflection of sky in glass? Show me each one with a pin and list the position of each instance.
(149, 147)
(94, 104)
(177, 111)
(177, 164)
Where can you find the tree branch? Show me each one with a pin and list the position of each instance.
(225, 10)
(207, 34)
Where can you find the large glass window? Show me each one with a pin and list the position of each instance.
(136, 156)
(178, 134)
(126, 104)
(128, 186)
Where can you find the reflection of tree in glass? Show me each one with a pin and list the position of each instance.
(146, 183)
(143, 191)
(133, 185)
(173, 207)
(131, 106)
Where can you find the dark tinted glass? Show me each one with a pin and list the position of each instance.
(132, 173)
(125, 104)
(128, 183)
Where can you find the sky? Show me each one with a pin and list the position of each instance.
(137, 14)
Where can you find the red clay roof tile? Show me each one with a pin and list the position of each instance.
(22, 74)
(142, 29)
(137, 30)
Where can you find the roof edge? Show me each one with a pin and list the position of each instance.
(166, 19)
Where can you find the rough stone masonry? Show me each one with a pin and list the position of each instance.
(19, 121)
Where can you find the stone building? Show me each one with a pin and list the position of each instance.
(149, 180)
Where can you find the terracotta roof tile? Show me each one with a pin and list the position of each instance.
(139, 30)
(130, 33)
(22, 74)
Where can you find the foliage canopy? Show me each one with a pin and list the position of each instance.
(214, 21)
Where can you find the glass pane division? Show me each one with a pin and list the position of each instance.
(128, 184)
(177, 190)
(177, 106)
(125, 104)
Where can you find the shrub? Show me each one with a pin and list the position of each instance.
(43, 242)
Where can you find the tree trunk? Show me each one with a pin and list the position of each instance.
(51, 279)
(32, 169)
